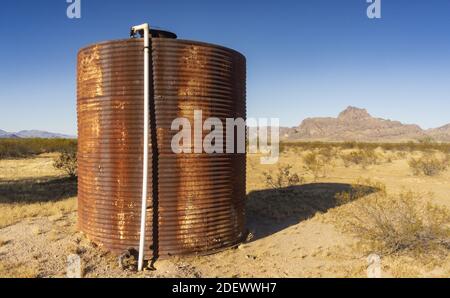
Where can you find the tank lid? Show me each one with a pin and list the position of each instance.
(157, 33)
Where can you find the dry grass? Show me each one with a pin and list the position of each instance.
(401, 224)
(403, 147)
(290, 220)
(48, 193)
(428, 164)
(12, 213)
(361, 157)
(32, 168)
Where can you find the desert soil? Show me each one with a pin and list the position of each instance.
(290, 238)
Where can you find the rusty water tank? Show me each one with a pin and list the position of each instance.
(196, 201)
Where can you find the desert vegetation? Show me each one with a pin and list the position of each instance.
(428, 164)
(33, 187)
(67, 162)
(361, 157)
(317, 162)
(421, 146)
(387, 208)
(319, 212)
(19, 148)
(283, 178)
(404, 224)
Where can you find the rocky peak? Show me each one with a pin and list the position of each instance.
(353, 113)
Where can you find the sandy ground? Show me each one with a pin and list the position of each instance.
(292, 237)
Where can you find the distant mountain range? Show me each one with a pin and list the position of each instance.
(352, 124)
(355, 124)
(28, 134)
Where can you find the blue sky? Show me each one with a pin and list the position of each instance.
(305, 58)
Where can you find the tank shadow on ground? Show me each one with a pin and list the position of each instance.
(272, 210)
(37, 190)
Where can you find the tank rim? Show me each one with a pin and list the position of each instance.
(194, 42)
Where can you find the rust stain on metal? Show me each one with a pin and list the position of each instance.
(199, 206)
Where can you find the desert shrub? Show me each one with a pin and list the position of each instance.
(328, 153)
(428, 165)
(384, 156)
(67, 162)
(401, 155)
(426, 140)
(397, 224)
(15, 148)
(316, 164)
(361, 157)
(283, 178)
(388, 158)
(406, 146)
(361, 188)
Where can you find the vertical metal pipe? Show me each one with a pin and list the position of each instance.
(146, 28)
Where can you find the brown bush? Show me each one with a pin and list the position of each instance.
(284, 178)
(67, 162)
(401, 155)
(316, 164)
(397, 224)
(329, 153)
(428, 165)
(361, 157)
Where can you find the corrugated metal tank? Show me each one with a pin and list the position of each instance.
(196, 201)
